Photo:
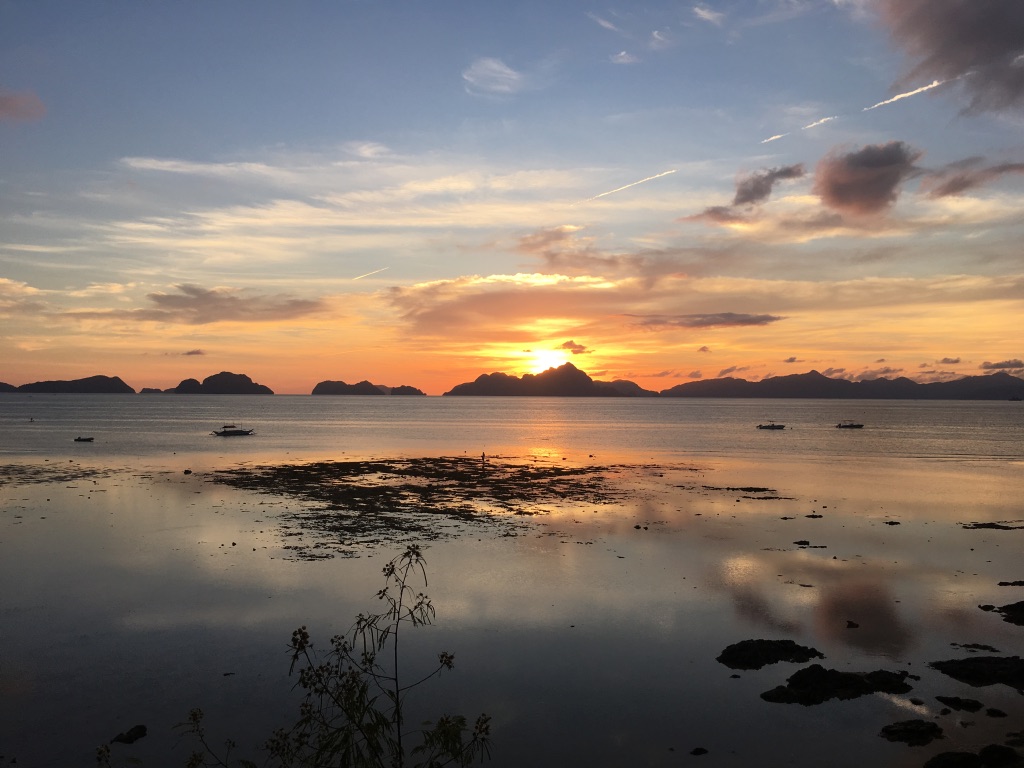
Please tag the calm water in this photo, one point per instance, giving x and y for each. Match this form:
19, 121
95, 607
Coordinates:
150, 426
590, 638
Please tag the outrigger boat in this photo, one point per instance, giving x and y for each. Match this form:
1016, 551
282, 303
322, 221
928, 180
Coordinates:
849, 425
230, 430
84, 439
771, 425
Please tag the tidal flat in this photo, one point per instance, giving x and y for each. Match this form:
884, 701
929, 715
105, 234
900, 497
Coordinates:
587, 601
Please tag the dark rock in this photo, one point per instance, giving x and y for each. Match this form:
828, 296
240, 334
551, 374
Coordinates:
698, 751
1011, 583
997, 755
993, 712
960, 705
130, 736
915, 733
754, 654
980, 671
852, 625
815, 684
1000, 526
1012, 613
954, 760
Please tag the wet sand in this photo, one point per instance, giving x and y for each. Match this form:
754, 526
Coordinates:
587, 601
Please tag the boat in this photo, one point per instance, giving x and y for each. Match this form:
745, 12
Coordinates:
849, 425
84, 439
230, 430
771, 425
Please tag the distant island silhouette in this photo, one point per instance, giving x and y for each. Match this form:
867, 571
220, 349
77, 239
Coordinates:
362, 388
569, 381
93, 385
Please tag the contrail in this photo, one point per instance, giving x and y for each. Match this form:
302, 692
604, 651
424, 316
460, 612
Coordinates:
370, 273
613, 191
822, 121
922, 89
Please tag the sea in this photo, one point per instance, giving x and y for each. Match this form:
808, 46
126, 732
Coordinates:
135, 589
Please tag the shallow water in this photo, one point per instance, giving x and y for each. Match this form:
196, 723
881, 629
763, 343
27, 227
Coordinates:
134, 596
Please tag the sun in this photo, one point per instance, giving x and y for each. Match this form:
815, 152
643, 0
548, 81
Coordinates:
539, 360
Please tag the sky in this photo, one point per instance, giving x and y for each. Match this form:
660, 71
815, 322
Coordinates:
417, 193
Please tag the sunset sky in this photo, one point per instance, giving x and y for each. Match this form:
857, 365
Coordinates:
420, 192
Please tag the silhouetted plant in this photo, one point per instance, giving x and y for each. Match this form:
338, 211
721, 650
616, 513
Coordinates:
353, 712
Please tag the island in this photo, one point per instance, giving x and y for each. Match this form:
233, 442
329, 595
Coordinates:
362, 388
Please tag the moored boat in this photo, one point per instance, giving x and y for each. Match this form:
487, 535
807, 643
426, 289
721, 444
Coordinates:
84, 439
771, 425
230, 430
848, 424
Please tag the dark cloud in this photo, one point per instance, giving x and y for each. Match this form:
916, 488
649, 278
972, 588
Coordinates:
1004, 365
949, 361
20, 105
792, 360
978, 41
717, 214
706, 320
576, 349
695, 375
705, 349
731, 370
961, 176
758, 186
193, 352
877, 373
194, 305
835, 373
867, 180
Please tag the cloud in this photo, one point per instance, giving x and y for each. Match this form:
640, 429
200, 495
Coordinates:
576, 349
20, 106
978, 41
492, 76
193, 353
876, 373
757, 187
602, 22
731, 370
865, 181
19, 299
193, 305
695, 375
623, 57
1005, 365
949, 361
706, 320
961, 176
704, 13
792, 360
705, 349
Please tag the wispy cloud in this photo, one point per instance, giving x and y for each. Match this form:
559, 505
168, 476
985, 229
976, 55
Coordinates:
704, 13
623, 57
602, 22
195, 305
627, 186
706, 320
492, 76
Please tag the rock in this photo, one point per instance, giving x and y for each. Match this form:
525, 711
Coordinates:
960, 705
954, 760
698, 751
997, 755
754, 654
815, 685
1012, 613
980, 671
130, 736
915, 733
